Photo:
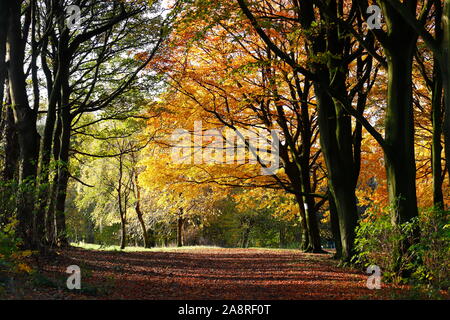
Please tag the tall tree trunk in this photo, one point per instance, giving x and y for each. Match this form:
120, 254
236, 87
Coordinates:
3, 36
11, 143
304, 169
148, 243
298, 170
50, 220
122, 206
312, 227
399, 47
180, 221
399, 153
283, 239
56, 77
334, 221
139, 214
246, 233
311, 214
63, 168
445, 66
145, 235
90, 232
436, 151
339, 160
306, 239
123, 233
25, 119
334, 123
47, 142
10, 172
62, 184
151, 238
246, 238
39, 215
399, 120
298, 174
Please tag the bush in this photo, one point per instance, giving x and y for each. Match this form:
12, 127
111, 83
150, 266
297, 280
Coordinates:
380, 242
434, 249
12, 259
8, 201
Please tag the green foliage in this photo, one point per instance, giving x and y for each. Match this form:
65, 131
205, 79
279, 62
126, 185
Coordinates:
8, 200
8, 243
12, 259
39, 280
108, 235
427, 260
265, 230
434, 248
419, 292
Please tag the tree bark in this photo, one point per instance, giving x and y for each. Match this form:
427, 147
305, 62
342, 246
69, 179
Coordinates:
11, 143
123, 233
48, 138
148, 242
445, 66
25, 121
246, 236
122, 206
313, 225
306, 239
180, 221
62, 184
436, 151
399, 121
50, 219
335, 125
339, 160
3, 36
335, 230
305, 180
10, 172
63, 163
143, 228
283, 240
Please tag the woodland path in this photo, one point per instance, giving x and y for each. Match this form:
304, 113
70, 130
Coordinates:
203, 273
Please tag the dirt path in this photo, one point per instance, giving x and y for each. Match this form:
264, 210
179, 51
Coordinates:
200, 274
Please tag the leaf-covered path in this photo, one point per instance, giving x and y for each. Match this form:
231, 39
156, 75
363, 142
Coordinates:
203, 273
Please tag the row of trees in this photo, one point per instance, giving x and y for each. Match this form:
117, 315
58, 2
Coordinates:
241, 218
334, 30
55, 70
346, 97
319, 74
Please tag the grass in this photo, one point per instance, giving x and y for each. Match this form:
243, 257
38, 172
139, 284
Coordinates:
98, 247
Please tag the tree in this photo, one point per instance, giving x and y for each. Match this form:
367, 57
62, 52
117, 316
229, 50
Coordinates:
328, 54
279, 99
25, 124
84, 70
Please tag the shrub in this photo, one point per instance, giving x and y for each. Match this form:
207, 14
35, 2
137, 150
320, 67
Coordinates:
380, 242
12, 259
434, 248
8, 201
